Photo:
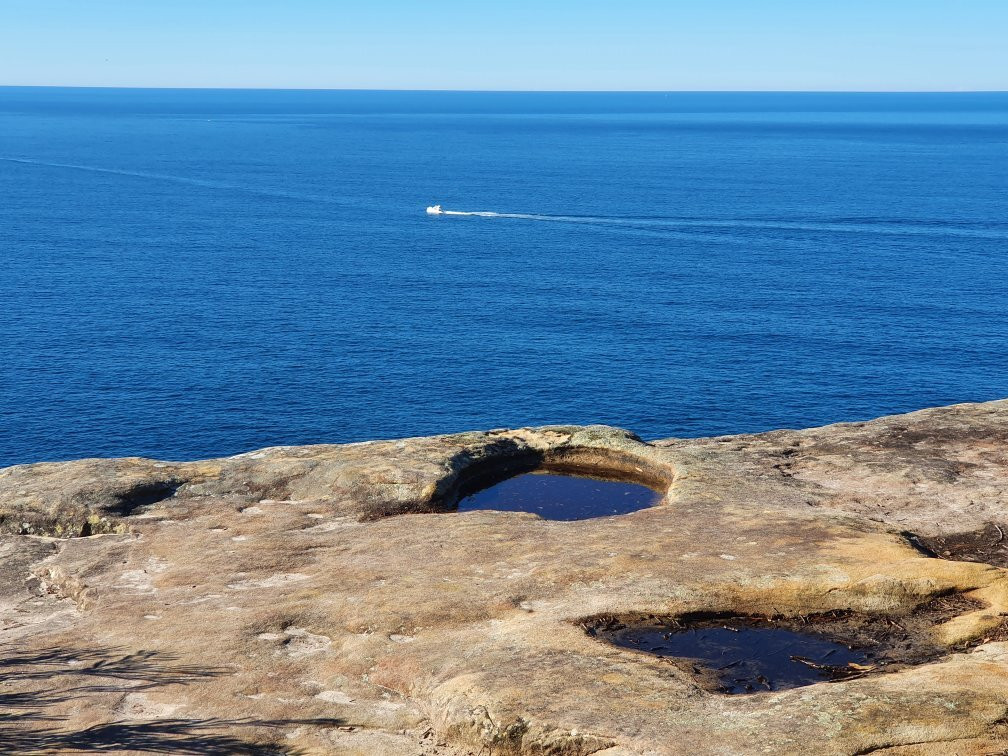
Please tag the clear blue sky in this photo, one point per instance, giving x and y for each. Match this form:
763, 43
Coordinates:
559, 44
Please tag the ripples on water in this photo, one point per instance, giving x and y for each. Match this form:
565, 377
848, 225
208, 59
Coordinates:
201, 273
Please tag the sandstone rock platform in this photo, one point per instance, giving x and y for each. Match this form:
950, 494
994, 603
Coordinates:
326, 599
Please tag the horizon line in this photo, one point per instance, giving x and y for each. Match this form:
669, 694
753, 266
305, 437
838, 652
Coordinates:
506, 91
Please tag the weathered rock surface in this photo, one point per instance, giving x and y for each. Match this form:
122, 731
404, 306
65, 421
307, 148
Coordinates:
325, 599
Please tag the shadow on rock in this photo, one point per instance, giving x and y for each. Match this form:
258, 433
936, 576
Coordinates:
177, 736
33, 683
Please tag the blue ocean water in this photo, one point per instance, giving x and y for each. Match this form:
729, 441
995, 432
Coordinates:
196, 273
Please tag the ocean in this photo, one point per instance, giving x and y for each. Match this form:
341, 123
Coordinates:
194, 273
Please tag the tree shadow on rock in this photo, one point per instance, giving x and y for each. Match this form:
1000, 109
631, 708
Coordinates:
176, 736
29, 724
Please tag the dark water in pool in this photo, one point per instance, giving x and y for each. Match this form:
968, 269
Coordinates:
562, 497
749, 659
196, 273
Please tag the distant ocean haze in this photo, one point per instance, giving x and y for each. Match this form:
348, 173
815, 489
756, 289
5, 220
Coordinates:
192, 273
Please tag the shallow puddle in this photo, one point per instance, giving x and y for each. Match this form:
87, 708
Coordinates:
989, 545
747, 654
749, 659
562, 497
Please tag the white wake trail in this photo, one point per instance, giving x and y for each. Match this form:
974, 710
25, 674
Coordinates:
695, 226
436, 210
208, 184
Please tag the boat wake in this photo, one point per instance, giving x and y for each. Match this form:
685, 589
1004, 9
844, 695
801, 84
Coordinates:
697, 225
205, 183
437, 210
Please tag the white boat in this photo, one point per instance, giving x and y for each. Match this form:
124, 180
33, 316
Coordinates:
435, 210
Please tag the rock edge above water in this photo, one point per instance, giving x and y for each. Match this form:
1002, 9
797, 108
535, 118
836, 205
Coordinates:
325, 599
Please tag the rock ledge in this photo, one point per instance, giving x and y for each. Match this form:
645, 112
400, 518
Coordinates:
326, 599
